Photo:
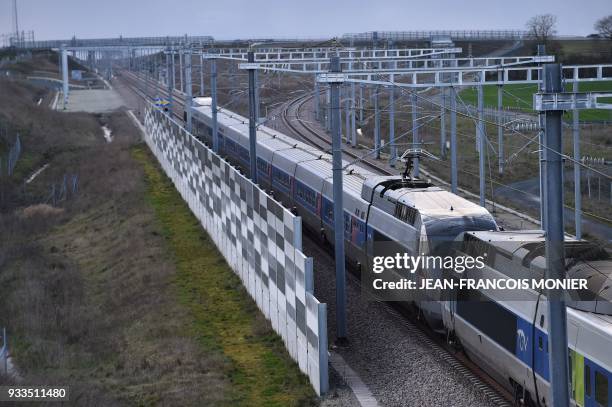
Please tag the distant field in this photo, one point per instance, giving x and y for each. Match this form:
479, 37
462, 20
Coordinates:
577, 49
520, 96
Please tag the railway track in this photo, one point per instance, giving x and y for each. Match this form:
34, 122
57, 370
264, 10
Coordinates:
136, 84
293, 108
456, 359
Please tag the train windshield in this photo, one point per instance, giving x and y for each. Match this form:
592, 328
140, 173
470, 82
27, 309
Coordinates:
441, 233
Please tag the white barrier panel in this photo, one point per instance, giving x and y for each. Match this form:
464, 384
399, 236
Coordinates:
259, 239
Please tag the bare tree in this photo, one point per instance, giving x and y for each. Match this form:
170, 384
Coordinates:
604, 27
542, 27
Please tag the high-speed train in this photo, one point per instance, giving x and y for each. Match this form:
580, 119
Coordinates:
400, 214
506, 332
403, 214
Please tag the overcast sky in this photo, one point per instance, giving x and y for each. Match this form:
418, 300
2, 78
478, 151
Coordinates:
224, 19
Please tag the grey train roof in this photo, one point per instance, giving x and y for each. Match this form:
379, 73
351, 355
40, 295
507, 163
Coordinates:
583, 260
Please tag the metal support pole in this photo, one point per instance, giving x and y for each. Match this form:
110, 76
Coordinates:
188, 88
577, 183
376, 124
328, 109
65, 86
338, 206
146, 64
213, 104
482, 146
173, 71
542, 158
252, 120
257, 104
169, 71
361, 86
443, 122
415, 130
392, 147
353, 124
500, 127
157, 76
317, 99
201, 93
453, 138
555, 257
347, 121
181, 53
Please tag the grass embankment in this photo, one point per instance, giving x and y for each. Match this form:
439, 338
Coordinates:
116, 291
520, 97
225, 318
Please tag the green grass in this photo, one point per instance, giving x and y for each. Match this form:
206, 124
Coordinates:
520, 96
224, 317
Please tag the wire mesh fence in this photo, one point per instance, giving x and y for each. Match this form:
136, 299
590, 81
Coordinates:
63, 190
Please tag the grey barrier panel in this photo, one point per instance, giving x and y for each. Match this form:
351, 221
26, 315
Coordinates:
256, 236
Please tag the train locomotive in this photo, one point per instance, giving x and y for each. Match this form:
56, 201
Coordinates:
506, 333
407, 214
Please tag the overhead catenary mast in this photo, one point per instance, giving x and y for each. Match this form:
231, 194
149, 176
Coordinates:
15, 20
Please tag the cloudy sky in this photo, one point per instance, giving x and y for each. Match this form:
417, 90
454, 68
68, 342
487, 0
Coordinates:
225, 19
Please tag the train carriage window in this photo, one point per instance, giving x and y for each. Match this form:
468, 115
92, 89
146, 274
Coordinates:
306, 194
489, 317
262, 165
587, 380
330, 213
282, 177
601, 389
